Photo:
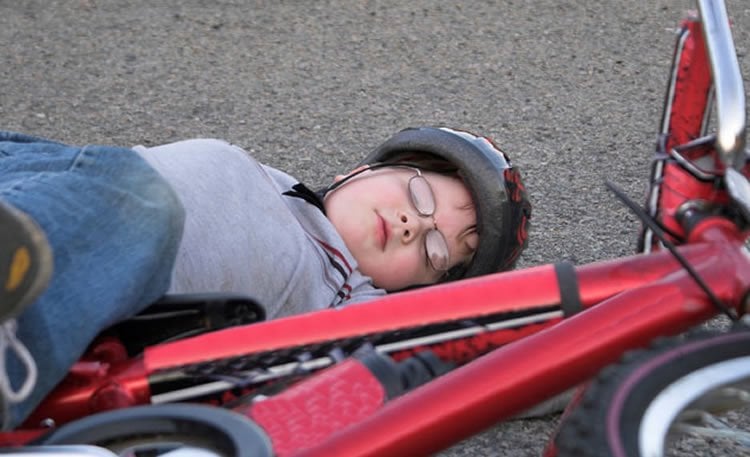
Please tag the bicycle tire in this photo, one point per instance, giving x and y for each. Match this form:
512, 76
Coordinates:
214, 431
628, 409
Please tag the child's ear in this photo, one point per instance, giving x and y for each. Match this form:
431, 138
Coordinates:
356, 170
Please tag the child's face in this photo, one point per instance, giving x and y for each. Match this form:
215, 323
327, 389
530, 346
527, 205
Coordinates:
374, 214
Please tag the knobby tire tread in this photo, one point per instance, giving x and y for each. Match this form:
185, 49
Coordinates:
583, 432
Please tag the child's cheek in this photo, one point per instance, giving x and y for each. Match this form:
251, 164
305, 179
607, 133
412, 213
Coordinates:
411, 270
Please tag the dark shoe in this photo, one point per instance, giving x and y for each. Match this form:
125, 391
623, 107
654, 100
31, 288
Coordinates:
25, 270
25, 261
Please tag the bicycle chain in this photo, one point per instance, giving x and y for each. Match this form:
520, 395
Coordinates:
249, 369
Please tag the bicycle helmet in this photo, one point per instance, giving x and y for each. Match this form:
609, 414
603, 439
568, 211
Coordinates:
502, 207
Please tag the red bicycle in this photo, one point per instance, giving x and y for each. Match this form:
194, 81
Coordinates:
418, 371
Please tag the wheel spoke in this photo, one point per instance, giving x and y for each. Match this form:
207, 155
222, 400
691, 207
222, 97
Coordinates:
725, 432
720, 401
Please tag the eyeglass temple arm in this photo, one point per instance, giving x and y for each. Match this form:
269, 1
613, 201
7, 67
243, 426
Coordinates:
729, 88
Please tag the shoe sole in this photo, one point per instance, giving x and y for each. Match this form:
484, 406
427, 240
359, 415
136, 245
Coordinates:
26, 261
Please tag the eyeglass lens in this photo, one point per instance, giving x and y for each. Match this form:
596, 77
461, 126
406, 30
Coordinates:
424, 202
421, 195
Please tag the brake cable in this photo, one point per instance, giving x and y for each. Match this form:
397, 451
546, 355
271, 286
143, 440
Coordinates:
659, 233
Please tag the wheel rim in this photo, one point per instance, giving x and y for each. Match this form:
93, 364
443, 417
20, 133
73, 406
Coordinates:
694, 389
168, 431
163, 446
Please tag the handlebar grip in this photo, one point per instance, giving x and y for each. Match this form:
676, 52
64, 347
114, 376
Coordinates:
314, 409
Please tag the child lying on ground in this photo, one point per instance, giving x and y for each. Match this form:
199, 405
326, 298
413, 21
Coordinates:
113, 229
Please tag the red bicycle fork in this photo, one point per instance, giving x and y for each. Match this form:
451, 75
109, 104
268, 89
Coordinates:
524, 373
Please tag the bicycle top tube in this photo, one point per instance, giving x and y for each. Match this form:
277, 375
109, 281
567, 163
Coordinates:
730, 92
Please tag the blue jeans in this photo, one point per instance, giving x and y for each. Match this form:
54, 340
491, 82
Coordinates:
114, 226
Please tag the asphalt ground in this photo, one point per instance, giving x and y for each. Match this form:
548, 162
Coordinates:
572, 90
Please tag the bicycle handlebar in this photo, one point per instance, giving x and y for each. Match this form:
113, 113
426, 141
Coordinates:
729, 88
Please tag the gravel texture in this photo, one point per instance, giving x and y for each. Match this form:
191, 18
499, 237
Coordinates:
571, 89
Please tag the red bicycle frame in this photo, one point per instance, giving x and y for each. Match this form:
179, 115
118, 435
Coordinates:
520, 337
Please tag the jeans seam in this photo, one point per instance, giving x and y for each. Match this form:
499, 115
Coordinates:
77, 161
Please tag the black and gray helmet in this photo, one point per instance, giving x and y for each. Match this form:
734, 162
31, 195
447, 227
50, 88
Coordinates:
502, 207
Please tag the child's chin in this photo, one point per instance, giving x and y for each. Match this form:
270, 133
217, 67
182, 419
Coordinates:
389, 286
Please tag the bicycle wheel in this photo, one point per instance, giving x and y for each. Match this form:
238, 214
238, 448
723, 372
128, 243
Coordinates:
662, 400
174, 429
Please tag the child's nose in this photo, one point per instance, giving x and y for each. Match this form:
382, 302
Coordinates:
412, 225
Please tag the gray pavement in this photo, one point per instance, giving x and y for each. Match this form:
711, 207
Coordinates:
572, 90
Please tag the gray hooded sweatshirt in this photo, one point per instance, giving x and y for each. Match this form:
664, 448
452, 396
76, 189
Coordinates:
253, 230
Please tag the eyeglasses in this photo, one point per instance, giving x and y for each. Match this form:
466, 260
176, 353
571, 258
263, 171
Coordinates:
423, 200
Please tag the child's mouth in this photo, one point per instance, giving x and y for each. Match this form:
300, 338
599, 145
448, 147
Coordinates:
382, 231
